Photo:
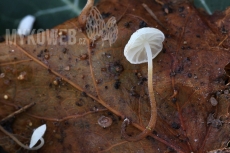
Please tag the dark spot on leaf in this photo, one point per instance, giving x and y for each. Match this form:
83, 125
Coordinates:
127, 24
40, 54
105, 15
58, 97
64, 38
181, 9
172, 74
66, 123
154, 132
49, 70
2, 150
170, 150
228, 144
142, 24
79, 102
150, 139
83, 94
119, 118
117, 84
175, 125
174, 99
179, 69
56, 124
92, 45
189, 75
43, 121
115, 68
223, 30
113, 117
198, 36
106, 87
8, 125
202, 83
188, 59
143, 79
64, 50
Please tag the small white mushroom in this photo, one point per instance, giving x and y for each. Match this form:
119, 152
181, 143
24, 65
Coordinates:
26, 25
144, 45
37, 135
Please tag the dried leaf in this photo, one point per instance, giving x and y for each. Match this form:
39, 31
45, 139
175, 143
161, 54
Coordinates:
188, 71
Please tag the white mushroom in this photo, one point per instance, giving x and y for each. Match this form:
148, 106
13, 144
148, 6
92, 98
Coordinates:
144, 45
37, 135
26, 25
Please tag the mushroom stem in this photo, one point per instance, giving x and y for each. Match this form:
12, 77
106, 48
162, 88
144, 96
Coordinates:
85, 11
153, 117
21, 144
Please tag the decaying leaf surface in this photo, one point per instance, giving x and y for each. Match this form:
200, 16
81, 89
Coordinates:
74, 85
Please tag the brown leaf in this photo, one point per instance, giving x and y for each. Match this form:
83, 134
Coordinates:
74, 85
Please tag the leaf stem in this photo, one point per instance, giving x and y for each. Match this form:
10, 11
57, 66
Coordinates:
85, 11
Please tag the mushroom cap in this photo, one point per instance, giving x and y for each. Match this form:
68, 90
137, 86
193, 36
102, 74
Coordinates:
37, 134
135, 48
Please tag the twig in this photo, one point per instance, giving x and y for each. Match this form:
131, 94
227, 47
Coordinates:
153, 15
10, 104
159, 2
68, 117
15, 62
85, 11
16, 112
12, 136
223, 40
